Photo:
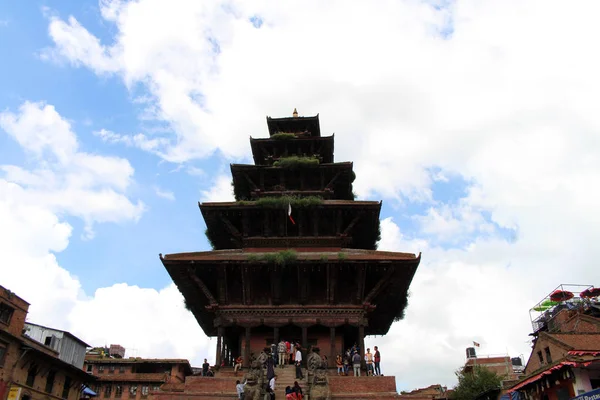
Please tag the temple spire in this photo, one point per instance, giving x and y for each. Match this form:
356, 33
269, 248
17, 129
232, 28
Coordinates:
295, 113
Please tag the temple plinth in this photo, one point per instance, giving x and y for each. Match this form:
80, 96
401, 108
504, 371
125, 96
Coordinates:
294, 256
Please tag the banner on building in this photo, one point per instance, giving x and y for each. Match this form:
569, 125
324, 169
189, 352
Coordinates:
14, 393
591, 395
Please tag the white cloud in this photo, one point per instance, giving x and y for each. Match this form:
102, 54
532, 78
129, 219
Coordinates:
139, 140
221, 190
506, 107
165, 194
65, 179
34, 204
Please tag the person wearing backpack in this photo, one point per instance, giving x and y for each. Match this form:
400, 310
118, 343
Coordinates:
356, 358
281, 349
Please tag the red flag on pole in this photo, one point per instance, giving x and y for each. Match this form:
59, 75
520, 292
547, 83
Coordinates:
290, 213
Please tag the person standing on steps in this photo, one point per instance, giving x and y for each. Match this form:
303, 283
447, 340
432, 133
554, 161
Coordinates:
274, 352
205, 368
377, 361
270, 364
270, 389
298, 359
239, 387
281, 349
356, 363
369, 361
339, 364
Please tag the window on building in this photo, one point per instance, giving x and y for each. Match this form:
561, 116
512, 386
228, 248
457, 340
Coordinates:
6, 313
548, 355
155, 388
118, 391
89, 368
144, 390
48, 340
107, 390
66, 388
50, 381
111, 369
31, 373
121, 369
540, 357
2, 353
101, 368
132, 390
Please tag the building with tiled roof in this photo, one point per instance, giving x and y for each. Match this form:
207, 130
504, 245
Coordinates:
134, 377
565, 359
32, 369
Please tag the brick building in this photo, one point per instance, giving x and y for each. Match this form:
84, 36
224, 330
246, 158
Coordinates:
501, 365
565, 358
432, 392
29, 369
132, 378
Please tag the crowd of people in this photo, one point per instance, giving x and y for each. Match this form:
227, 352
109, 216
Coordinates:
352, 357
290, 353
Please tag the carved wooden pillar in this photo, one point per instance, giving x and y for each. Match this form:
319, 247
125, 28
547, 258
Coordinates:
332, 341
315, 220
224, 350
247, 347
276, 335
302, 179
338, 223
361, 344
219, 345
305, 339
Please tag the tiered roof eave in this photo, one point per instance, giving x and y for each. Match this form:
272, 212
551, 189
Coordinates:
308, 255
324, 145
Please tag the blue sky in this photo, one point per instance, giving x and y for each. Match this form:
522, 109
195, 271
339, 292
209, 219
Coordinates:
128, 251
116, 118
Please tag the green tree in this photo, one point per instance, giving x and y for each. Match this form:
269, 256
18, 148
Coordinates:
474, 382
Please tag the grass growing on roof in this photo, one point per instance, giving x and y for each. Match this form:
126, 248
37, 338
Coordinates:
283, 201
280, 258
211, 239
342, 256
296, 162
283, 136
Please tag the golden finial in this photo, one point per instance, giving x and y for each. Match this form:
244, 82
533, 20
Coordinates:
295, 114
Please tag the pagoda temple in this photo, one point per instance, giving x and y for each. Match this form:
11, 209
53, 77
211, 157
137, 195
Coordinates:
294, 256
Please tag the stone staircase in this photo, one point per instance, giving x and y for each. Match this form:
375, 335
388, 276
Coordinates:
286, 377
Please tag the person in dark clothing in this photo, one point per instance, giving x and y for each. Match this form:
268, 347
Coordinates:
270, 364
298, 390
205, 368
298, 360
377, 361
